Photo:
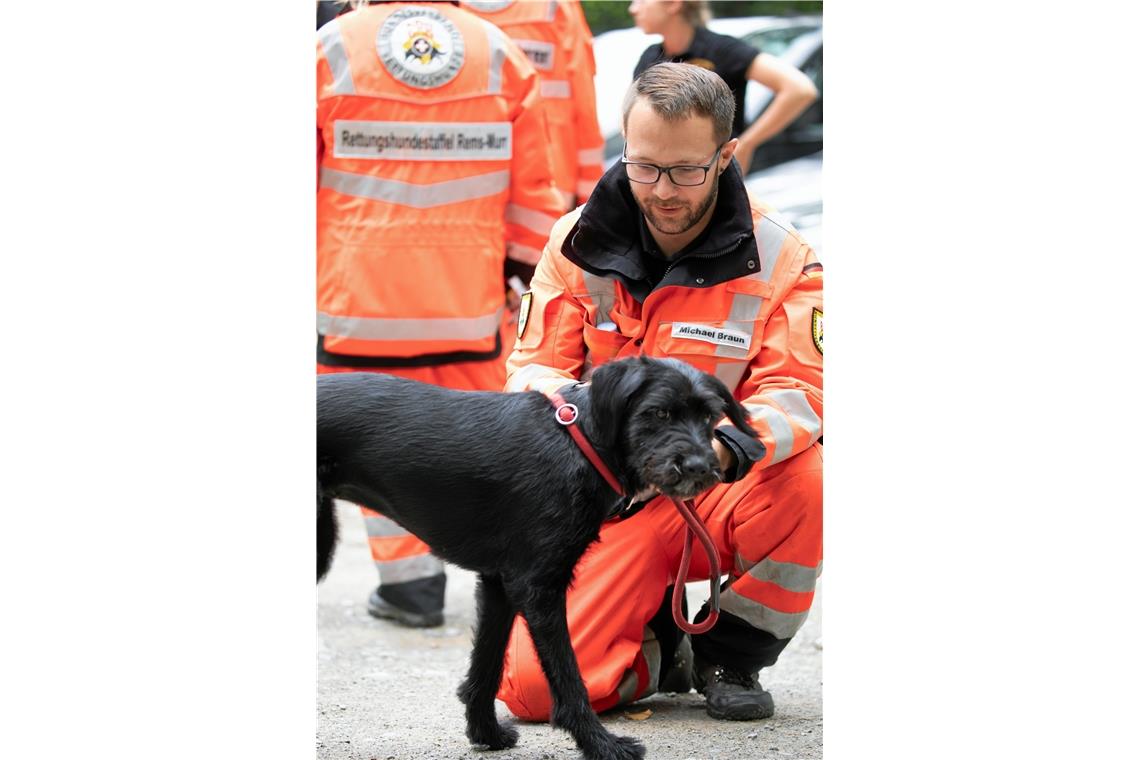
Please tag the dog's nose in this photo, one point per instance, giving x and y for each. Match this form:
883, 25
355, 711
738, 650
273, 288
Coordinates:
695, 466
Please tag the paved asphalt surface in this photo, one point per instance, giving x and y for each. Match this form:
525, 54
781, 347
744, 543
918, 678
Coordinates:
385, 692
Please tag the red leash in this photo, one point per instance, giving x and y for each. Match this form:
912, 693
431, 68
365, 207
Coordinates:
567, 414
689, 511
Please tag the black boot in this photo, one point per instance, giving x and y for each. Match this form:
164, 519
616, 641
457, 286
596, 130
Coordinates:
727, 660
732, 694
416, 604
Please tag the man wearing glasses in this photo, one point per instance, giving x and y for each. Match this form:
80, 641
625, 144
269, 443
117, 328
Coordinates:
671, 257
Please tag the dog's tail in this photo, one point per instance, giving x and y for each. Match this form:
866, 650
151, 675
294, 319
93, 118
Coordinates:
326, 532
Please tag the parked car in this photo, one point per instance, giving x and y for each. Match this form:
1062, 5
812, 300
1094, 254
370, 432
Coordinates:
795, 189
798, 40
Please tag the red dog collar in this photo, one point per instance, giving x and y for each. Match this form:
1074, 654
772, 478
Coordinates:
567, 414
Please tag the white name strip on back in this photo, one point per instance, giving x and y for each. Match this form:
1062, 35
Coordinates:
422, 141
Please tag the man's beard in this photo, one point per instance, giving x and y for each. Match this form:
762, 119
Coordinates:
675, 225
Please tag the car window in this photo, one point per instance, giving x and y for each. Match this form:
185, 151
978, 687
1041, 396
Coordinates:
813, 67
776, 41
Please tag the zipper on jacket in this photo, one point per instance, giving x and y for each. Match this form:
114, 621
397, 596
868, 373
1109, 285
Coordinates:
711, 255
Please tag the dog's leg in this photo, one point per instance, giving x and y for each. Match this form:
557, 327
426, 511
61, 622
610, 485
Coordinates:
326, 533
545, 613
477, 692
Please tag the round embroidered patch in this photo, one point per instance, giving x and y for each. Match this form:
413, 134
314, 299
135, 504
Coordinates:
420, 47
488, 6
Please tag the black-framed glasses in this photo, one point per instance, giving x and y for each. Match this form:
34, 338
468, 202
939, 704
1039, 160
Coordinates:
681, 175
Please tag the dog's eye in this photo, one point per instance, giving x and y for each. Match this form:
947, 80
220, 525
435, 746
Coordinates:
708, 419
662, 414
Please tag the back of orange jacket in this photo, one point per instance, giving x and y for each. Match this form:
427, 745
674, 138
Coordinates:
556, 39
434, 168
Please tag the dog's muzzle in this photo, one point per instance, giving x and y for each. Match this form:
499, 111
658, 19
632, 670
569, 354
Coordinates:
687, 477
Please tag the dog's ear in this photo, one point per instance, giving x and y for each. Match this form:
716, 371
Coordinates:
612, 386
733, 409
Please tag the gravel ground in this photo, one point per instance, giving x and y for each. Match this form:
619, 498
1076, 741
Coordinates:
385, 692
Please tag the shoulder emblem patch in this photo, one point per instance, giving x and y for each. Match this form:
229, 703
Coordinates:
420, 47
817, 329
524, 312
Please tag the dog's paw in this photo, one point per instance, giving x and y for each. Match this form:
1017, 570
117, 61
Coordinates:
622, 748
495, 736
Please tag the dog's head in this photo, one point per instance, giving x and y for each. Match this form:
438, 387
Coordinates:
657, 417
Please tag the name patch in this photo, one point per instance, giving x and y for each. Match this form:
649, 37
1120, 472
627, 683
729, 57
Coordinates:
423, 141
716, 335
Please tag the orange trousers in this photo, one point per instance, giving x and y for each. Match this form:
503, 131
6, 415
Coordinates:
768, 530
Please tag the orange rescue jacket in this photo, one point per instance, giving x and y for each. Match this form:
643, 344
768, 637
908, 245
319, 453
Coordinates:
556, 39
434, 166
743, 302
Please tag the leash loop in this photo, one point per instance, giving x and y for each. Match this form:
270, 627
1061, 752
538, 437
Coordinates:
688, 511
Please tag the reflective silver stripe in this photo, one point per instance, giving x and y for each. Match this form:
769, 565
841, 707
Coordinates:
744, 308
497, 41
742, 319
410, 569
591, 156
651, 651
769, 239
535, 221
377, 328
780, 427
416, 196
523, 253
795, 405
627, 687
551, 9
602, 291
521, 380
526, 378
782, 625
554, 88
333, 45
786, 575
382, 527
730, 373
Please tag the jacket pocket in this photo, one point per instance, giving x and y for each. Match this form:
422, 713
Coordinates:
603, 345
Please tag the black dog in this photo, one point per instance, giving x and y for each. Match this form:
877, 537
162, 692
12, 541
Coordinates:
493, 483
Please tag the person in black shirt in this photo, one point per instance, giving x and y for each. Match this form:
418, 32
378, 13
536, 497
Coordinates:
681, 23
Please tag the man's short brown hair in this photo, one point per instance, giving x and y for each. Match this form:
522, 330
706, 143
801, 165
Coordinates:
677, 91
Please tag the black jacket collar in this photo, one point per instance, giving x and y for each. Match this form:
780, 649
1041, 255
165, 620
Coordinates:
610, 238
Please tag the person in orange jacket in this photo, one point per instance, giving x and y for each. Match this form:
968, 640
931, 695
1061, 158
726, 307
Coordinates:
671, 257
435, 187
556, 39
